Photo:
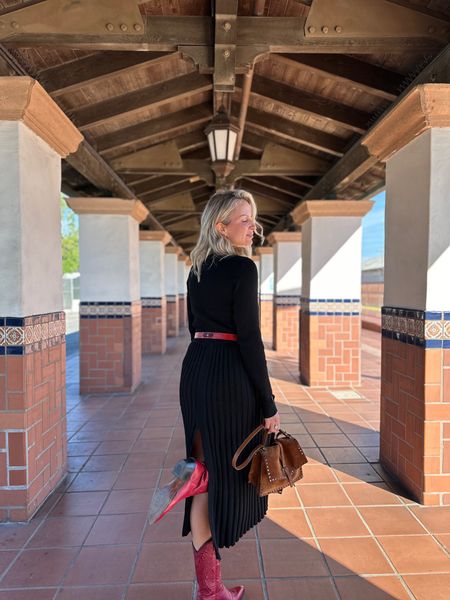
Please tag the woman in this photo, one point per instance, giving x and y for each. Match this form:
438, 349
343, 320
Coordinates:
225, 390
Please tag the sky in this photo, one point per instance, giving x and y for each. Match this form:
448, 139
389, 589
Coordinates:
372, 228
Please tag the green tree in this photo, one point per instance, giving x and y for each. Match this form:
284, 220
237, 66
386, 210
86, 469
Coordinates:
69, 231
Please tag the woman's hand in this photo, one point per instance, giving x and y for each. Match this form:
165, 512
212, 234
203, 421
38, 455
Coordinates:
272, 424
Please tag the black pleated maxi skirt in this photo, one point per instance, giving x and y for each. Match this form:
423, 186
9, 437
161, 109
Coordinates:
218, 398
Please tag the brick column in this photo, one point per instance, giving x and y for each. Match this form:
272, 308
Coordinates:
34, 135
330, 317
266, 293
153, 297
287, 253
182, 305
171, 285
110, 304
414, 141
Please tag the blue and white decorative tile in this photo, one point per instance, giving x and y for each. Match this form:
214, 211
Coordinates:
151, 302
29, 334
331, 306
287, 300
266, 297
430, 329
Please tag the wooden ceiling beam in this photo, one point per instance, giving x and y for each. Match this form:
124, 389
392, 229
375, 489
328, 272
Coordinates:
185, 236
296, 180
155, 184
178, 188
167, 222
278, 161
191, 141
374, 80
38, 24
201, 196
267, 221
357, 161
261, 190
311, 104
76, 74
174, 213
154, 96
225, 35
278, 184
253, 141
154, 130
283, 131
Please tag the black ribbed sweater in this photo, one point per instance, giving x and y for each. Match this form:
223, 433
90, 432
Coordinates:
226, 300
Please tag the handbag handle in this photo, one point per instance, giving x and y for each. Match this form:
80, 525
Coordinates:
255, 450
244, 443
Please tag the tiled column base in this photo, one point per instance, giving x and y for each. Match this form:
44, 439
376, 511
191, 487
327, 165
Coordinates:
330, 342
372, 300
33, 441
154, 325
110, 346
266, 312
415, 401
286, 311
173, 316
182, 312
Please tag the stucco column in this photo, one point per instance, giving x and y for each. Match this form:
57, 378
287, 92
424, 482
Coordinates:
182, 305
414, 141
287, 258
110, 295
34, 135
265, 254
330, 317
171, 286
153, 295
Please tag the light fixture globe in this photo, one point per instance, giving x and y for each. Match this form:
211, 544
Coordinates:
222, 137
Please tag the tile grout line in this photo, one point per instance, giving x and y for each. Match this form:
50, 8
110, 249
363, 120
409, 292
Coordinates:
261, 565
316, 540
75, 558
352, 505
380, 547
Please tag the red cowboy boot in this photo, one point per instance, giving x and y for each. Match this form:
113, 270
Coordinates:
191, 478
209, 577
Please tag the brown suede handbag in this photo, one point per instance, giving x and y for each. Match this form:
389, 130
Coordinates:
275, 465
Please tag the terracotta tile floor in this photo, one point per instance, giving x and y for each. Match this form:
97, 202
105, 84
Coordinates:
346, 531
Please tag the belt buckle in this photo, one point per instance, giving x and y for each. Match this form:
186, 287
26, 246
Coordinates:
208, 334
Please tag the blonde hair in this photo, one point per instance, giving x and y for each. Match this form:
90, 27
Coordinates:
218, 210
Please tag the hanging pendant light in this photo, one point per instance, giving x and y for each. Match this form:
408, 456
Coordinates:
222, 136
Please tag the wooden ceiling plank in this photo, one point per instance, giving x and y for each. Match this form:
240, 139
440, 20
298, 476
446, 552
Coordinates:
282, 130
146, 131
262, 190
156, 95
177, 188
348, 70
156, 183
76, 74
253, 141
191, 141
296, 181
281, 185
312, 104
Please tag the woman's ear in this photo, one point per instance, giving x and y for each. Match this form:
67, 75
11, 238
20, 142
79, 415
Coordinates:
220, 228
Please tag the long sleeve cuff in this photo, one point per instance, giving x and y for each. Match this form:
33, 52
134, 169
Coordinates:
269, 407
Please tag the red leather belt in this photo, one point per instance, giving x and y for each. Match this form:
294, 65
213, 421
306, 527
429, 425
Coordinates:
216, 335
